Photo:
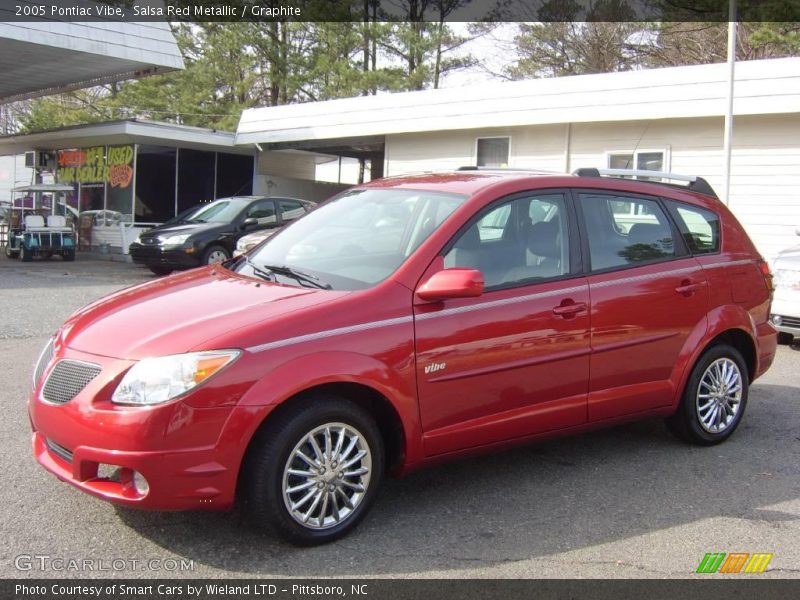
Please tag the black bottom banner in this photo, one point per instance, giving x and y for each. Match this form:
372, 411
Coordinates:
396, 589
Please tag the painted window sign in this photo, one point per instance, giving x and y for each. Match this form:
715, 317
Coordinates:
96, 165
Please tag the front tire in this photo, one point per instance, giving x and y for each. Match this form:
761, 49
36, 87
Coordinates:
160, 270
313, 473
25, 255
714, 398
68, 255
215, 255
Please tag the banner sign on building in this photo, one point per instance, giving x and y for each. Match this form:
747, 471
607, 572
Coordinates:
96, 165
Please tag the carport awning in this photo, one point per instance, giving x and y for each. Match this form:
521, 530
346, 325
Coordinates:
365, 147
45, 57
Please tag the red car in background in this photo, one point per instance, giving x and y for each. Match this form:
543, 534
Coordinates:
408, 321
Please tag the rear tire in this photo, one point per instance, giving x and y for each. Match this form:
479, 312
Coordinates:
304, 503
160, 270
785, 338
11, 253
714, 399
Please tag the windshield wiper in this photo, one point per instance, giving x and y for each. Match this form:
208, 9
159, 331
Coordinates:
263, 273
268, 272
299, 276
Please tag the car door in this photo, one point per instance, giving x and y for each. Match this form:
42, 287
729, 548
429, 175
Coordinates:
515, 360
648, 294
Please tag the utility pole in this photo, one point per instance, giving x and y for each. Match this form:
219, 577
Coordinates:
728, 135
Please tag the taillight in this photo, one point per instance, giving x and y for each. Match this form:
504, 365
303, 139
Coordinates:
764, 268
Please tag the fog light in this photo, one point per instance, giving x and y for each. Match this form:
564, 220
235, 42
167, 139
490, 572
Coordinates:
110, 472
777, 319
140, 483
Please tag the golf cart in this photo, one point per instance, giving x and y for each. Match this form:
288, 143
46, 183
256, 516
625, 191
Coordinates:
38, 224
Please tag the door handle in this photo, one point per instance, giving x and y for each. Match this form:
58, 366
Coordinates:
569, 309
687, 287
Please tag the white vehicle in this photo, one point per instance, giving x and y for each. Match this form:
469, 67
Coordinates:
786, 300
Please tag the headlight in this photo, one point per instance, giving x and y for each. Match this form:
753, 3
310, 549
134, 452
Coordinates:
156, 380
785, 278
175, 240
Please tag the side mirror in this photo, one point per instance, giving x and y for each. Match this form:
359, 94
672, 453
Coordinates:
452, 283
249, 223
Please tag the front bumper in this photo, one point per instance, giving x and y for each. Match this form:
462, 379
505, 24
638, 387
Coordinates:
184, 453
785, 313
160, 256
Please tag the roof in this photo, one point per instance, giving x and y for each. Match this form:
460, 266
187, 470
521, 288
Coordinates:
123, 132
762, 87
45, 56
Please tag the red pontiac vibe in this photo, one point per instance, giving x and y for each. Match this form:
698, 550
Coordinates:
407, 321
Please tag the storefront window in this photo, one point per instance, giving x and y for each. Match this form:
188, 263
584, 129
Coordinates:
195, 177
234, 175
119, 194
155, 184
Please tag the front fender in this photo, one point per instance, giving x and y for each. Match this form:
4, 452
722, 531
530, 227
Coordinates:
398, 386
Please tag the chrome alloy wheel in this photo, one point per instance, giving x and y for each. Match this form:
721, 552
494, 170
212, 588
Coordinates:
719, 395
216, 257
327, 475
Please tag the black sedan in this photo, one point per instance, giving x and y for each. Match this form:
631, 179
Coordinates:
208, 234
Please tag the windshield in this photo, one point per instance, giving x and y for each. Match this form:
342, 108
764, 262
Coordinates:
220, 211
357, 239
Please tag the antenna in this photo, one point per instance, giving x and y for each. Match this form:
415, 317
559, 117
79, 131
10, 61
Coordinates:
636, 147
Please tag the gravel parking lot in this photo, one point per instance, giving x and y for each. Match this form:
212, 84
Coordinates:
626, 502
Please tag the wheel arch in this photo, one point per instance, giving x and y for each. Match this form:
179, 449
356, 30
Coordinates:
726, 324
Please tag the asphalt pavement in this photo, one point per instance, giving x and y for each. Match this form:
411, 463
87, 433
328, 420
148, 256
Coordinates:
629, 502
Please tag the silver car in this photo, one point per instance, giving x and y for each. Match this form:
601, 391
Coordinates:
786, 299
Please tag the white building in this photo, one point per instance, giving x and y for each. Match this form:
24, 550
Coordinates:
666, 119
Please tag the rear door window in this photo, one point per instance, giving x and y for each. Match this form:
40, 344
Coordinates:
625, 231
291, 210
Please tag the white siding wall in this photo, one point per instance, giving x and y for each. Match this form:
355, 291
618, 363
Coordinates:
765, 181
305, 189
287, 164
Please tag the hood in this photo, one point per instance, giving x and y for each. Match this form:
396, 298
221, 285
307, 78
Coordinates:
181, 228
177, 314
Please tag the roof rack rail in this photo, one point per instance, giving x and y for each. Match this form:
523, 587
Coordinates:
696, 184
506, 169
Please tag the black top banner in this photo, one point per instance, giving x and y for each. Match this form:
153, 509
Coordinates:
400, 10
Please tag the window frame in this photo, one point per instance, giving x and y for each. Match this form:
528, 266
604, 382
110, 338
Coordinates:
573, 231
493, 137
681, 250
635, 152
672, 205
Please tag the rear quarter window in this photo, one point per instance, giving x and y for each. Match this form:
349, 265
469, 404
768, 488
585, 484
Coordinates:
700, 227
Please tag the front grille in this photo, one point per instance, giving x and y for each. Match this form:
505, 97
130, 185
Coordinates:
790, 321
67, 379
58, 450
44, 359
